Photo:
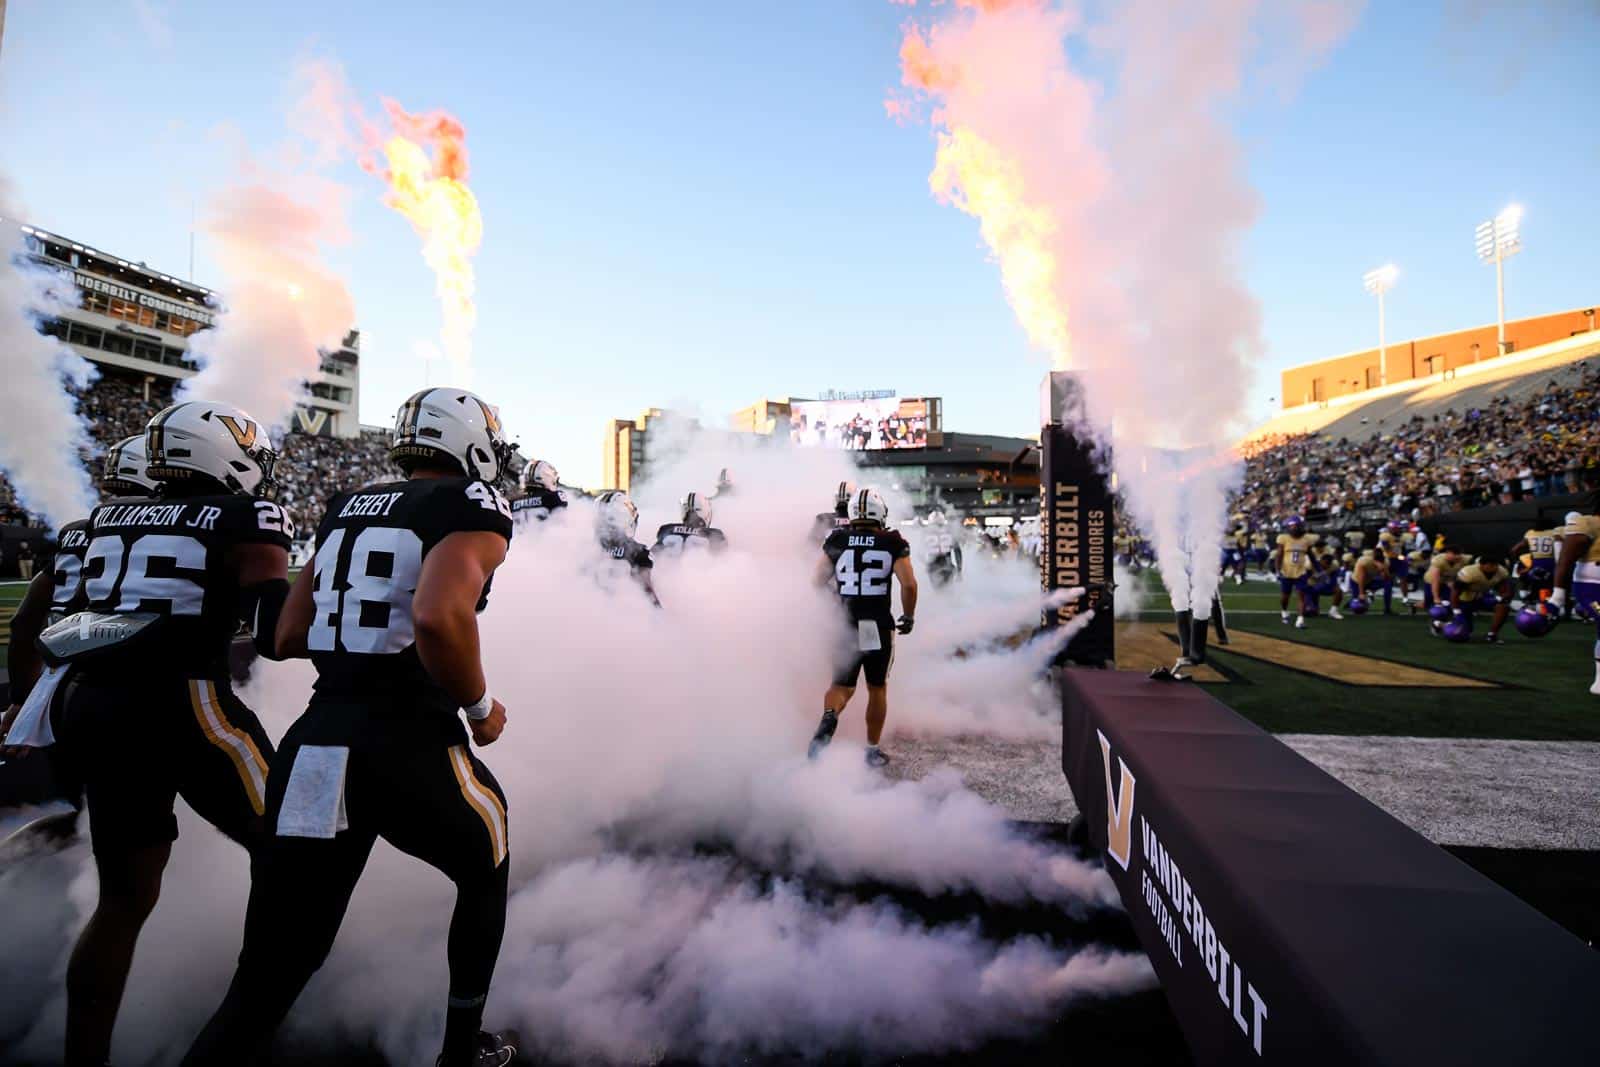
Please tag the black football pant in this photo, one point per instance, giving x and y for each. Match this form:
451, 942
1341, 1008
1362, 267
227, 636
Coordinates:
427, 798
136, 742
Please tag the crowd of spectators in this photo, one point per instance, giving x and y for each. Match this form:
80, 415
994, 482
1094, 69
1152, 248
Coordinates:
1536, 445
309, 470
1504, 451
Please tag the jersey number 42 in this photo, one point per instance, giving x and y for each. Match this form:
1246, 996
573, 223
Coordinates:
868, 578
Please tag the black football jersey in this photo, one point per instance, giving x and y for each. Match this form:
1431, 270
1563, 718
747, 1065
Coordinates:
675, 537
170, 557
863, 558
72, 540
630, 552
538, 505
370, 548
827, 522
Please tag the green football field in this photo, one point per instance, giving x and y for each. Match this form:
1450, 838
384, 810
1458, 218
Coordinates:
1290, 683
1537, 689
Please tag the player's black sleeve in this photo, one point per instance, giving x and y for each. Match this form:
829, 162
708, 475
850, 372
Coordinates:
899, 547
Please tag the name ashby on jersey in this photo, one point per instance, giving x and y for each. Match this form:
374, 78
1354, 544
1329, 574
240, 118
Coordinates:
1173, 904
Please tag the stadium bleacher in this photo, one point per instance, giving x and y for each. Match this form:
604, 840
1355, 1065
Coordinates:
310, 469
1521, 427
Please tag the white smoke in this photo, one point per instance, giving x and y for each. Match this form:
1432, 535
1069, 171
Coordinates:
282, 304
680, 871
42, 435
1116, 204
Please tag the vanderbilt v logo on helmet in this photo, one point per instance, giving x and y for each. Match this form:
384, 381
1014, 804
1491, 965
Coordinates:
202, 439
244, 433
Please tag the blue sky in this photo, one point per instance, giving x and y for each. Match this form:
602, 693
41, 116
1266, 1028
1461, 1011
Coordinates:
697, 205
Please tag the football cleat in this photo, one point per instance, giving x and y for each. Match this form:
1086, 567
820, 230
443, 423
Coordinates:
1333, 612
824, 734
876, 757
1285, 616
494, 1050
1300, 622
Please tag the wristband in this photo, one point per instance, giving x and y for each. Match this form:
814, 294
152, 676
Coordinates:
480, 710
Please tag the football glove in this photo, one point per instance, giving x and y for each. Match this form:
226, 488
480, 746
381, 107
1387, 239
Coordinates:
905, 624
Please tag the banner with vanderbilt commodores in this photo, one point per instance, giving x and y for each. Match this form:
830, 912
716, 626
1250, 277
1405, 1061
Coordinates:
1076, 525
1291, 921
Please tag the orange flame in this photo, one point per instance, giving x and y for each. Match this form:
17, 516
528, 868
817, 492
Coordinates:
973, 175
431, 191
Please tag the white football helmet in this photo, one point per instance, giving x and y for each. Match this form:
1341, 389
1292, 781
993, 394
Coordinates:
124, 471
616, 517
936, 518
540, 474
454, 426
841, 497
199, 439
697, 509
868, 506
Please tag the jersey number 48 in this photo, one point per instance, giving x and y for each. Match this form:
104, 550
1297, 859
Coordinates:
364, 604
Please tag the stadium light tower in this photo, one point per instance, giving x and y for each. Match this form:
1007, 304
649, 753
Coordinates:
1499, 239
1378, 282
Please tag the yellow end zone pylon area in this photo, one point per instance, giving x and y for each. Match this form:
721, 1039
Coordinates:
1143, 646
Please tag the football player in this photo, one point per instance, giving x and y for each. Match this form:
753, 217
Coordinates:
616, 521
51, 592
724, 483
1539, 571
1442, 570
148, 713
1241, 544
1481, 585
861, 562
387, 613
1324, 580
1578, 576
943, 550
542, 495
1370, 572
1392, 540
1259, 551
692, 531
829, 521
1294, 562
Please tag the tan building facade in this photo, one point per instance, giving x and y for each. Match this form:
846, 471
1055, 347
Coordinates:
1423, 357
